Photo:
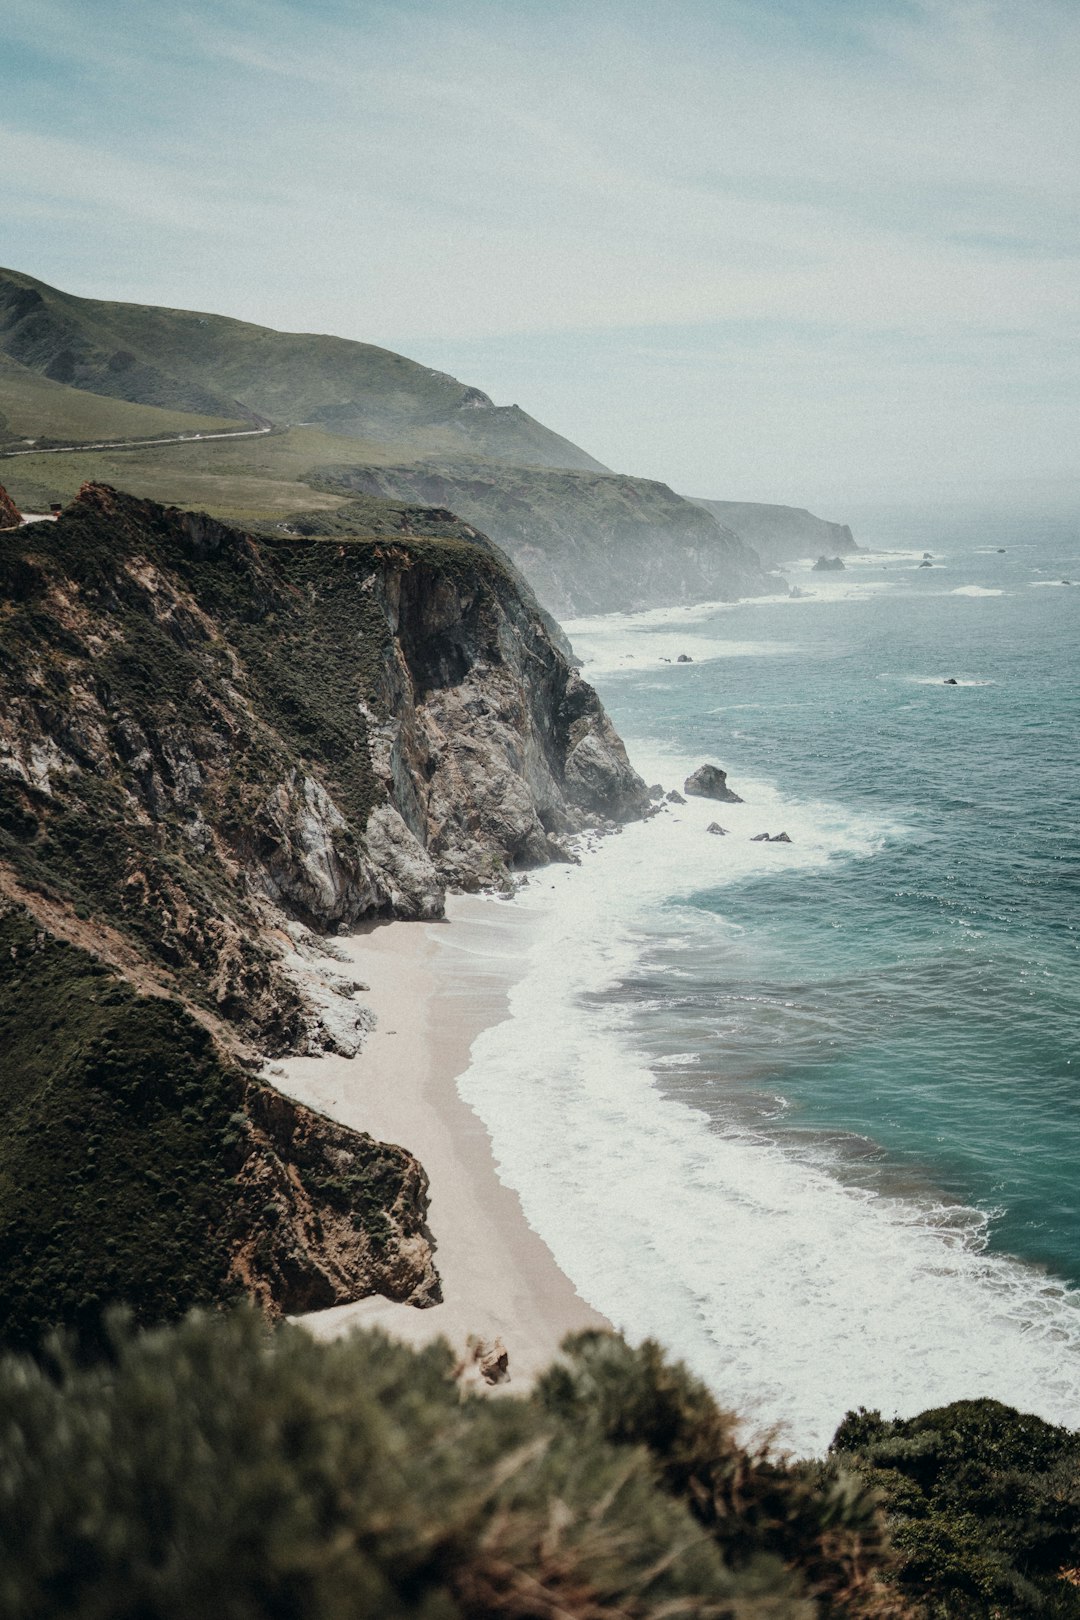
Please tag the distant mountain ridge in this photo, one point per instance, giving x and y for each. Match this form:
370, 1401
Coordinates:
586, 542
780, 534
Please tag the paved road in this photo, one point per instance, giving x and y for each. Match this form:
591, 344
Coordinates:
135, 444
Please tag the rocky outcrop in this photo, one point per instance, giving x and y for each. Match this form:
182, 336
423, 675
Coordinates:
10, 516
710, 782
326, 1215
834, 565
782, 534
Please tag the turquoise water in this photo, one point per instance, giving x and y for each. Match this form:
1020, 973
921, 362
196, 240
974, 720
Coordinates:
808, 1112
909, 1016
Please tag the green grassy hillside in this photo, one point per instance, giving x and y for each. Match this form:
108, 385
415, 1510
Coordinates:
182, 360
33, 408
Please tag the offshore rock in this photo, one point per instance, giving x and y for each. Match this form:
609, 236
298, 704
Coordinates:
710, 782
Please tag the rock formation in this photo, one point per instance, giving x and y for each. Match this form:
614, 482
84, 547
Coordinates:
829, 565
10, 516
710, 782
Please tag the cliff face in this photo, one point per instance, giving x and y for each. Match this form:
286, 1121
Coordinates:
780, 534
206, 740
586, 542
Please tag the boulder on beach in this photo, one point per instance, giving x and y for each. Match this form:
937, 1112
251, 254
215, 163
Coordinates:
715, 827
674, 798
710, 782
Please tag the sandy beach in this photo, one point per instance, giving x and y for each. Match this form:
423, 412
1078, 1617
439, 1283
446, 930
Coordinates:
433, 988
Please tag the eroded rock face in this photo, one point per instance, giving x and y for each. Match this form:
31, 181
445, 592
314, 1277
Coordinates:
710, 782
327, 1214
488, 743
10, 516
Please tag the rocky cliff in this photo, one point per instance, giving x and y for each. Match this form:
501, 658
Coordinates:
780, 534
10, 516
586, 542
212, 746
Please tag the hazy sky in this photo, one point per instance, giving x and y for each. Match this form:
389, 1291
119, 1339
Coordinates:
803, 250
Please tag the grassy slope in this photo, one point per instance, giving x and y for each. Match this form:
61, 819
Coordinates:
242, 480
34, 408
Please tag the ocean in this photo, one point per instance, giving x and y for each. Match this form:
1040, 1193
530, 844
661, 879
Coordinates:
809, 1112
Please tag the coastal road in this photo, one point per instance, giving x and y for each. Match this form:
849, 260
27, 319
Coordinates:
136, 444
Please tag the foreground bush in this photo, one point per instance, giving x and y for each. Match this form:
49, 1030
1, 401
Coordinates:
221, 1471
984, 1505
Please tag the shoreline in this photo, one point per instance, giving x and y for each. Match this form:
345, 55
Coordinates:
434, 987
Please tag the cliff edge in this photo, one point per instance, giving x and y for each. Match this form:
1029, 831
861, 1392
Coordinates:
213, 747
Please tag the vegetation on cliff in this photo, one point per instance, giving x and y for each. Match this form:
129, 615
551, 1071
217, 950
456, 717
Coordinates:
235, 712
220, 1468
210, 745
138, 1165
984, 1504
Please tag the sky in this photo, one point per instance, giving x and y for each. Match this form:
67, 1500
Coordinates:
815, 251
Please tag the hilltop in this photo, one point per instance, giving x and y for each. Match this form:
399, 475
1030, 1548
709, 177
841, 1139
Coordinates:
215, 367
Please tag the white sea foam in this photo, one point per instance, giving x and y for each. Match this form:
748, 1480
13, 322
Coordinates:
976, 590
795, 1296
1050, 583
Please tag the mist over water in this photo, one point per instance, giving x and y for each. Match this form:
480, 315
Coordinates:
809, 1112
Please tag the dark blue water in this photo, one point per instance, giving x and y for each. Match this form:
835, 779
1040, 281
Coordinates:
917, 1008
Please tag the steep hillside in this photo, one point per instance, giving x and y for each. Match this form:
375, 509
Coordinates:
210, 365
780, 534
586, 542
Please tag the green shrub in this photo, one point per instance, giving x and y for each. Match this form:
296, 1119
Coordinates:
818, 1518
218, 1469
984, 1504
